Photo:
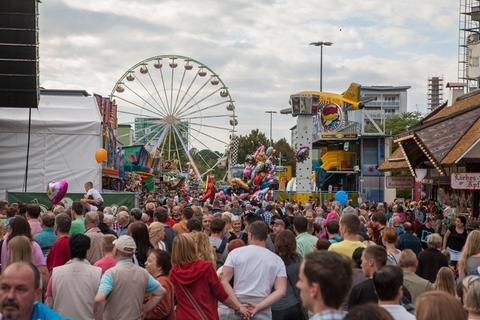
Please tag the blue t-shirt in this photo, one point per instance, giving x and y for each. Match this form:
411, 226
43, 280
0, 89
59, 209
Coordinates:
42, 312
45, 239
336, 238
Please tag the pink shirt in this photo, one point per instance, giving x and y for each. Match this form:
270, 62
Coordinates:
106, 263
35, 226
37, 254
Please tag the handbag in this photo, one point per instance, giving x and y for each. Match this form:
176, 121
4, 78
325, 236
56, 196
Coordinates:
304, 311
194, 303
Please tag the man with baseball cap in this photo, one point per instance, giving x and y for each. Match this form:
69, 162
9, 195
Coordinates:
127, 282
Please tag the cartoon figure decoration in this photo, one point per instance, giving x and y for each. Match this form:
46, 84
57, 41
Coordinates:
331, 117
209, 193
302, 154
258, 175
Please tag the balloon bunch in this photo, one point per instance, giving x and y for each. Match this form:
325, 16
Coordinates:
302, 154
258, 175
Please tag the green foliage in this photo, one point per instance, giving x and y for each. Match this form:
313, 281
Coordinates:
404, 193
397, 124
249, 143
286, 152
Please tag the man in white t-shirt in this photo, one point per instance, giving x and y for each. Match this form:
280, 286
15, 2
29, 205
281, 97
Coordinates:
255, 271
92, 196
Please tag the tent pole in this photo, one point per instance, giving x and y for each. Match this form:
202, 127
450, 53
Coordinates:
28, 148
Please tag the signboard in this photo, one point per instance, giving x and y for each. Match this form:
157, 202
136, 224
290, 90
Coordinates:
339, 136
473, 68
466, 181
398, 182
283, 174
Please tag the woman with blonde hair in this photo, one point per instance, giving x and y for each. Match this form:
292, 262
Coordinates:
469, 262
436, 305
19, 249
471, 296
156, 234
227, 217
197, 212
334, 214
445, 281
197, 287
203, 248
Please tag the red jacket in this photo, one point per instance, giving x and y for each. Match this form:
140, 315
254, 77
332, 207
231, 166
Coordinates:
198, 278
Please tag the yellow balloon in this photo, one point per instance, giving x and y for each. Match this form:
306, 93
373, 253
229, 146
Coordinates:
101, 155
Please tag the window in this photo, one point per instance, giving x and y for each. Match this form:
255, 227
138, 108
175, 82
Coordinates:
390, 98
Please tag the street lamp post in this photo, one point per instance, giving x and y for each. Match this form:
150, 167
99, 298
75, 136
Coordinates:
271, 116
321, 44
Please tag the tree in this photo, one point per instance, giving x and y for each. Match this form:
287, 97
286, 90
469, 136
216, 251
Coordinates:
285, 151
249, 143
397, 124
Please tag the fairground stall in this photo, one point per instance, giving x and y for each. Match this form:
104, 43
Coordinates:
442, 152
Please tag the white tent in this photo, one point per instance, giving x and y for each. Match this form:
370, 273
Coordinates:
65, 133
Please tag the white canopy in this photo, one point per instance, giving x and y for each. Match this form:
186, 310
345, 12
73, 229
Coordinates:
65, 133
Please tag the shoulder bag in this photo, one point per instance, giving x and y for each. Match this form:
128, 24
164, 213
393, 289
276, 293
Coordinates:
194, 303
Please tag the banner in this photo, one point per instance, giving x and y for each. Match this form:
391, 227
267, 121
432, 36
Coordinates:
398, 182
465, 181
109, 198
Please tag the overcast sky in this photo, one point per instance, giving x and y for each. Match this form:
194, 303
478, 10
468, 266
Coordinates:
258, 48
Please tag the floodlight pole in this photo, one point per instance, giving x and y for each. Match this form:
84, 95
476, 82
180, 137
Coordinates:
321, 44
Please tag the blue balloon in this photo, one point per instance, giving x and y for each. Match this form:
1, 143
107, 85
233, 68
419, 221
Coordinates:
342, 197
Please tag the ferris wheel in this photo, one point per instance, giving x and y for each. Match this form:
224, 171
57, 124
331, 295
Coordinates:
180, 110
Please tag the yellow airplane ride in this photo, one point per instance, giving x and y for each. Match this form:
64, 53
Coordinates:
349, 98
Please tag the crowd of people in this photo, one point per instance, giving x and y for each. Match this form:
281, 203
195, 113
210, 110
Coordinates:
179, 258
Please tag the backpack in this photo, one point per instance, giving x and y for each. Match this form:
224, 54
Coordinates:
219, 251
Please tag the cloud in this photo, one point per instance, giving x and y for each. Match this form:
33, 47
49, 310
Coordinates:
259, 48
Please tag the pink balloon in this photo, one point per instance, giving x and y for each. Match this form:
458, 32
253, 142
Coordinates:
259, 150
247, 172
57, 190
